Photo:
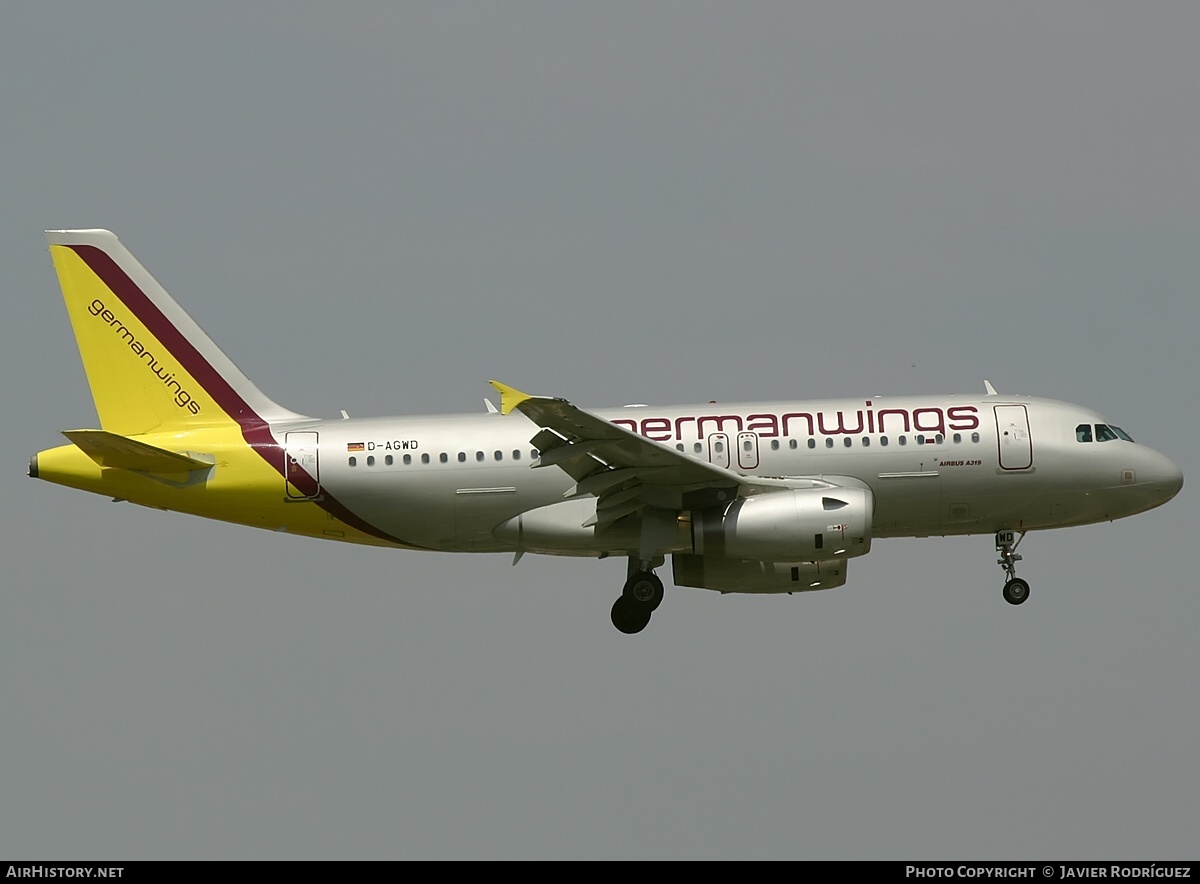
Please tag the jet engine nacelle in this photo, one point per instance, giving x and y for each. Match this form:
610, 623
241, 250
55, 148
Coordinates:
744, 575
811, 524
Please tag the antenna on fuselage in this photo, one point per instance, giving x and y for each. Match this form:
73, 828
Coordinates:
991, 391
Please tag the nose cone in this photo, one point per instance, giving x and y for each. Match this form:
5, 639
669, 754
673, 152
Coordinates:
1162, 477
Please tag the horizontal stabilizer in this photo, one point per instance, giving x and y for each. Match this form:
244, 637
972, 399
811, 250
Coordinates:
122, 453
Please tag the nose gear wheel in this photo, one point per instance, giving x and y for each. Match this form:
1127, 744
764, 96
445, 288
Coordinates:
1016, 590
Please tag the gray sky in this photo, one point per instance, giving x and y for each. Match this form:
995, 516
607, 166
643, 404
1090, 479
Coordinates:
379, 206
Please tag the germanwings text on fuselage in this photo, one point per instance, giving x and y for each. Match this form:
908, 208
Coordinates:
865, 421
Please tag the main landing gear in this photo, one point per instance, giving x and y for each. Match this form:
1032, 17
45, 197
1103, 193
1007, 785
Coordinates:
1016, 590
643, 593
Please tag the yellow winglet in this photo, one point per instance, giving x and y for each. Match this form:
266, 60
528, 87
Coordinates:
510, 397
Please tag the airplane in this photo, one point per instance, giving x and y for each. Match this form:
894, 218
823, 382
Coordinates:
761, 497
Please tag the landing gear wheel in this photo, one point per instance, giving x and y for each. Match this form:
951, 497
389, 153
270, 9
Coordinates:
1016, 591
629, 616
644, 590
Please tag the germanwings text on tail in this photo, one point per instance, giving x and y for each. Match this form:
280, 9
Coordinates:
763, 497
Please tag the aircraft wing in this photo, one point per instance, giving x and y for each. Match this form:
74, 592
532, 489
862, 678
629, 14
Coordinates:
625, 471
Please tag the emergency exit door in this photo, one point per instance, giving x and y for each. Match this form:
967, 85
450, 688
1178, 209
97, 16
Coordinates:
718, 449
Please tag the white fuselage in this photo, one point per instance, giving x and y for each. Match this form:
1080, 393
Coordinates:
934, 465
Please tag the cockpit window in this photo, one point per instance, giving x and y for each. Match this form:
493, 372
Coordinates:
1104, 433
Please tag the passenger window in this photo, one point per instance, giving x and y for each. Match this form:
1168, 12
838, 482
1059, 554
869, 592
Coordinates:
462, 457
866, 441
883, 441
516, 454
407, 459
1083, 433
974, 437
828, 442
920, 439
957, 438
697, 448
903, 440
847, 441
774, 444
388, 460
354, 461
371, 461
499, 455
718, 447
679, 447
479, 456
444, 458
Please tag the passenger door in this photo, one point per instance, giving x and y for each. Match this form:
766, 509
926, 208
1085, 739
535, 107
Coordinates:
1012, 431
302, 466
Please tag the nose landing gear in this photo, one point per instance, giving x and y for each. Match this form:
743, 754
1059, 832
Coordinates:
1016, 590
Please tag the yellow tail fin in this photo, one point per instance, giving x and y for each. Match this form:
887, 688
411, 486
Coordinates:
150, 367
